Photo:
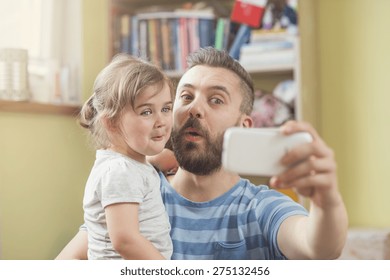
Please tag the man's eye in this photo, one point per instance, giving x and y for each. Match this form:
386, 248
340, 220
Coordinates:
216, 101
186, 97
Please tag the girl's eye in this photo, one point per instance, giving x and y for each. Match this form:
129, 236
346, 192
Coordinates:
166, 109
146, 113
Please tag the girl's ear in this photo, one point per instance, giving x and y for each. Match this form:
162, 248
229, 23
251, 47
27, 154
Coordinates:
109, 124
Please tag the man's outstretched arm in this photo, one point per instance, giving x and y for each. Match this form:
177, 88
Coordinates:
312, 174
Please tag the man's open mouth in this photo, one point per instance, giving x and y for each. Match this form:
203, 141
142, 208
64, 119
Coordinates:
192, 134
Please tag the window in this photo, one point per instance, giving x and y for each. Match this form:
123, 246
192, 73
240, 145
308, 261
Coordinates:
51, 31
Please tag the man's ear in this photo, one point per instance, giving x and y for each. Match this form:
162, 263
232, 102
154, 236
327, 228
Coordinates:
247, 121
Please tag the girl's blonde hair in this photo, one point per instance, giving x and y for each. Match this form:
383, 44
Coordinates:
116, 87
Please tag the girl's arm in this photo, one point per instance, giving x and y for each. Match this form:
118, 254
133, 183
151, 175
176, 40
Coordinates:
123, 228
76, 248
164, 161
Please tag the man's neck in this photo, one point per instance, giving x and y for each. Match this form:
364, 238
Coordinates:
203, 188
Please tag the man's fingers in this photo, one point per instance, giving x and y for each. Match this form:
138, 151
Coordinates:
316, 181
307, 168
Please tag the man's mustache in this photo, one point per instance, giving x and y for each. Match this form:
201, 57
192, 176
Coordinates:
193, 123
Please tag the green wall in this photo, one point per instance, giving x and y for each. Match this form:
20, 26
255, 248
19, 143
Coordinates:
354, 67
44, 163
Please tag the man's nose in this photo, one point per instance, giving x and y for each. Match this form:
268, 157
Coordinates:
196, 110
196, 115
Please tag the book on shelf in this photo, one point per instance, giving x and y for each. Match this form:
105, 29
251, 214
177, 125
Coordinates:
134, 35
143, 43
125, 42
155, 42
222, 34
183, 41
219, 33
274, 35
241, 38
175, 27
265, 46
249, 12
165, 44
206, 32
284, 58
194, 33
267, 49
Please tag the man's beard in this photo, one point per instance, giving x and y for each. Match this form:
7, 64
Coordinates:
192, 156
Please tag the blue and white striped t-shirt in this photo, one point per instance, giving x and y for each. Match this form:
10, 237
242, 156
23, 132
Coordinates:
241, 224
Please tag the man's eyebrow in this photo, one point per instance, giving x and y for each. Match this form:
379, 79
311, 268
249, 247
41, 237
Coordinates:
187, 86
219, 88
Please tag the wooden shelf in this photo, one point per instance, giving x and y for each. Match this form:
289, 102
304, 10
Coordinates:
271, 69
39, 108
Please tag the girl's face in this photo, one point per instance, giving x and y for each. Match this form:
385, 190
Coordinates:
143, 130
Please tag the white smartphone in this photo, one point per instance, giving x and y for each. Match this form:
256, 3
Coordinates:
258, 151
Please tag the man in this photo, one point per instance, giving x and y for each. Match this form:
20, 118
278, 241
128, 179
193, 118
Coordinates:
214, 213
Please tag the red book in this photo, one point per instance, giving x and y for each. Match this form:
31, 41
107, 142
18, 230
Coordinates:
248, 12
184, 45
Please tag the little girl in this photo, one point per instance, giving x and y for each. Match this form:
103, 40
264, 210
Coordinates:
129, 117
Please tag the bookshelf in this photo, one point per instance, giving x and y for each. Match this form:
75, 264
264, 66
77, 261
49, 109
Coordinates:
154, 31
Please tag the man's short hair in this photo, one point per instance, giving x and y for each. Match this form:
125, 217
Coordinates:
212, 57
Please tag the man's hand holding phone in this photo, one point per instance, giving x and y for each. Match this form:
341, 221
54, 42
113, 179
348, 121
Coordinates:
294, 155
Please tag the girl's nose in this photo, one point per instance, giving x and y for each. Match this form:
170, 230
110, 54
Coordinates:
160, 120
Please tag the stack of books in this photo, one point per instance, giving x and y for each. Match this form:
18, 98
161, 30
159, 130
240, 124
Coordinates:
268, 50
